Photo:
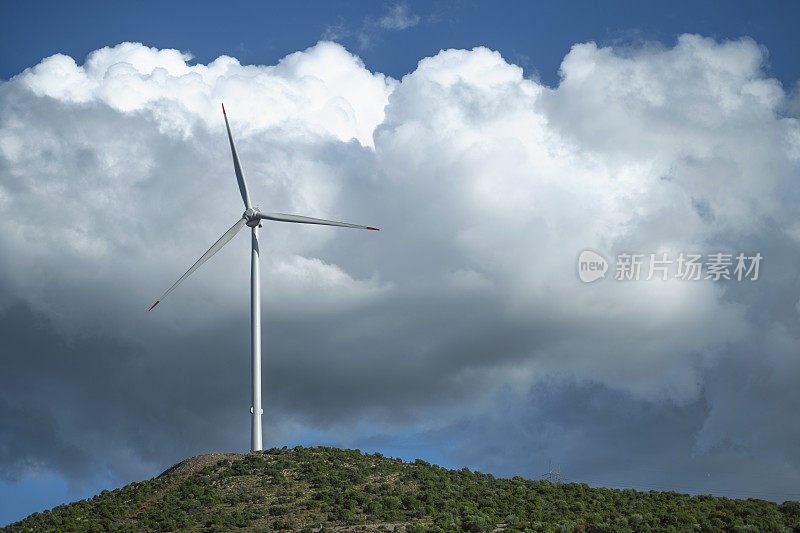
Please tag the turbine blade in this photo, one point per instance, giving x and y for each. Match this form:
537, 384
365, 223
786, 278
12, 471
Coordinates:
308, 220
211, 251
236, 166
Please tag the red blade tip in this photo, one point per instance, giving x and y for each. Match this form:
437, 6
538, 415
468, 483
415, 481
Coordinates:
223, 109
374, 229
155, 304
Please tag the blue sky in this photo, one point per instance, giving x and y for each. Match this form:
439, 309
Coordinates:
535, 35
601, 427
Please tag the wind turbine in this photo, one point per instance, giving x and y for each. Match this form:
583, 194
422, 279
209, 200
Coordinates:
252, 217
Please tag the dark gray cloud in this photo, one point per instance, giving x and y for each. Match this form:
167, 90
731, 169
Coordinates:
610, 439
461, 328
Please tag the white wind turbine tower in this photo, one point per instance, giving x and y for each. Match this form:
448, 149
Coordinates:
252, 217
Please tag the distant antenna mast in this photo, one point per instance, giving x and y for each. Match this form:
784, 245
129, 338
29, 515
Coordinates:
554, 475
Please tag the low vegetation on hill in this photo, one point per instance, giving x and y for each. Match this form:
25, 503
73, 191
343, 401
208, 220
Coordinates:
328, 489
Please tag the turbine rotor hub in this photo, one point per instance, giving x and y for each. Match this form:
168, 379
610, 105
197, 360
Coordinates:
251, 215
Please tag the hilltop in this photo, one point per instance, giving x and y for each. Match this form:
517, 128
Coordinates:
328, 489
